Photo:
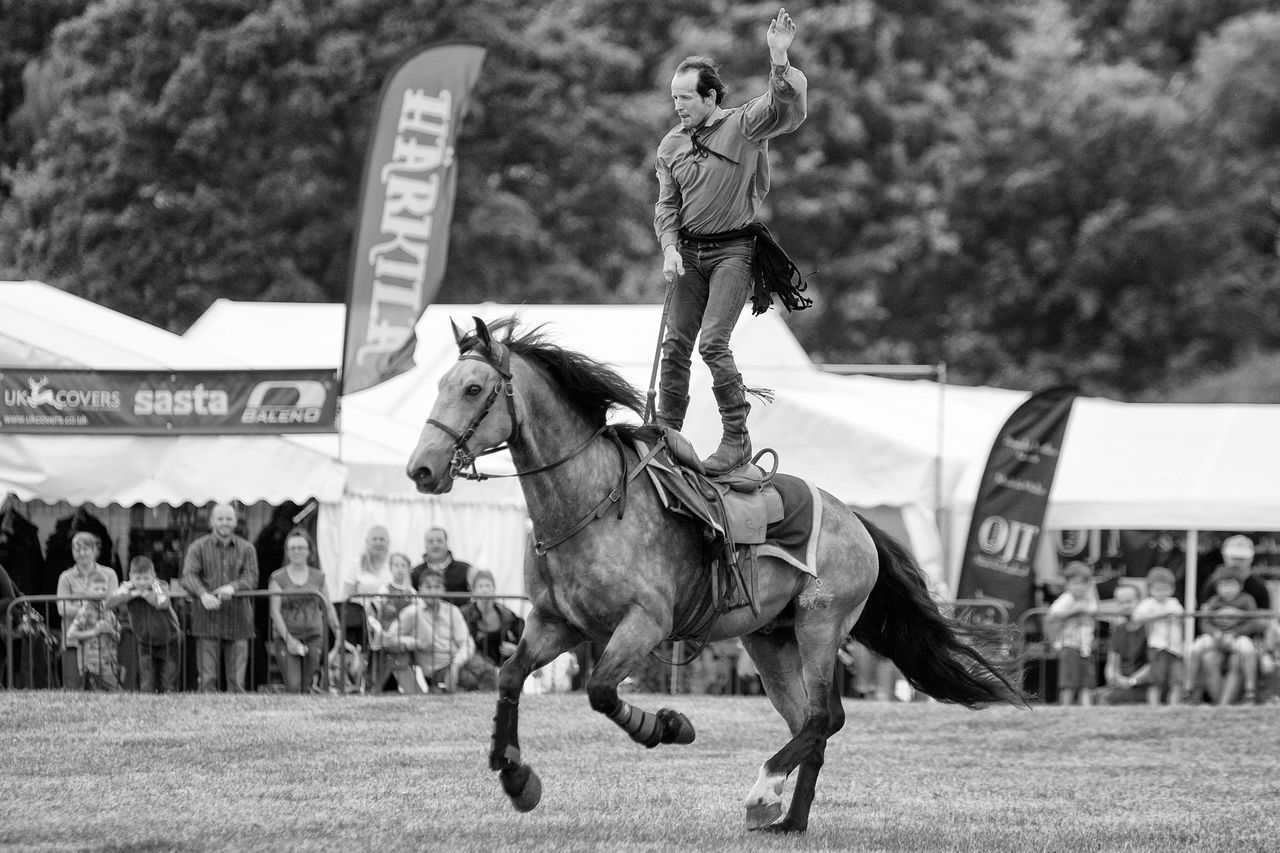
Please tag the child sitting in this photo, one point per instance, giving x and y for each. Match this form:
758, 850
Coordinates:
97, 631
1226, 638
1162, 615
1071, 620
1128, 668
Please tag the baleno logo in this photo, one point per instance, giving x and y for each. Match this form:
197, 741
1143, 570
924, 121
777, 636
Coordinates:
285, 401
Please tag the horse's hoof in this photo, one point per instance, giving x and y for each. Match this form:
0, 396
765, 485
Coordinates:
676, 727
760, 815
523, 786
783, 827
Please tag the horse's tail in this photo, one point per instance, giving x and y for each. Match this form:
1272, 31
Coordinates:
937, 654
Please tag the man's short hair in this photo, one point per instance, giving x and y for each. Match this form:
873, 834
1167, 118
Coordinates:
141, 564
708, 76
1159, 574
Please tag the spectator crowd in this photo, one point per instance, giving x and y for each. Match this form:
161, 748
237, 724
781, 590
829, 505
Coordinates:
438, 626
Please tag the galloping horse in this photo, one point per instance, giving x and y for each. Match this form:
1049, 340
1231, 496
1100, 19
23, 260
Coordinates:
617, 577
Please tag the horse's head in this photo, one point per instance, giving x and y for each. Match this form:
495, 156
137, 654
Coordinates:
474, 411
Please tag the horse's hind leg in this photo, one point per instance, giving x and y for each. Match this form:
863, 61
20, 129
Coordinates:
813, 712
632, 640
542, 641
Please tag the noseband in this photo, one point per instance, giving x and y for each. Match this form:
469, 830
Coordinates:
463, 455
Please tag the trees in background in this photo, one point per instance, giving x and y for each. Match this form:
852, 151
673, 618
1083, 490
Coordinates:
1084, 190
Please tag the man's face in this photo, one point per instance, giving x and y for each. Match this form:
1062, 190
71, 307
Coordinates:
1161, 591
691, 107
437, 545
142, 578
431, 585
223, 521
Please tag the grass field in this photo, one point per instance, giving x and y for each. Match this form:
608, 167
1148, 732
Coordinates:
195, 773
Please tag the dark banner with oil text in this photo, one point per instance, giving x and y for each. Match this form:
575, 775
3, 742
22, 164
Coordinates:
1008, 514
141, 402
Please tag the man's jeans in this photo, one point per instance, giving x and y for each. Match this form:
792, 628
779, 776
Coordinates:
234, 655
706, 304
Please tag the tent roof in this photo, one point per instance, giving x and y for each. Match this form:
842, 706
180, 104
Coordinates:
268, 335
870, 441
44, 326
1168, 466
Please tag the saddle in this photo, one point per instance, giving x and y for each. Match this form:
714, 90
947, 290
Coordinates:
734, 511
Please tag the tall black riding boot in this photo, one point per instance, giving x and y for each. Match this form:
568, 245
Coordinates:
735, 444
671, 408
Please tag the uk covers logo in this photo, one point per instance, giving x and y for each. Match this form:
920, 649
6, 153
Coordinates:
43, 404
285, 401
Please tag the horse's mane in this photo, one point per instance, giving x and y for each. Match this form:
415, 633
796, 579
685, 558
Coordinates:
589, 387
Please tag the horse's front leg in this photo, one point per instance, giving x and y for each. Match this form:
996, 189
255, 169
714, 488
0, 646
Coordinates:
543, 640
632, 640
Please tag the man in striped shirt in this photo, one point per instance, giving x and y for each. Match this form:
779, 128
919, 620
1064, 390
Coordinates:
218, 565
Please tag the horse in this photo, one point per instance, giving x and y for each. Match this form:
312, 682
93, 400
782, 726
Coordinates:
611, 565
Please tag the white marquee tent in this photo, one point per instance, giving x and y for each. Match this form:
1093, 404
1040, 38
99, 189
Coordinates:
908, 445
885, 445
1156, 466
44, 326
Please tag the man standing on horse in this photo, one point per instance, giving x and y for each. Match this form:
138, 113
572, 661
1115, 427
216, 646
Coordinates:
713, 174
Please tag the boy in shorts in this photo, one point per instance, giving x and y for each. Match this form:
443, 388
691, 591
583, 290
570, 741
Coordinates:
1162, 615
1071, 618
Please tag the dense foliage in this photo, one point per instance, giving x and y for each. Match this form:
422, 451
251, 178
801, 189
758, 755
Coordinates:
1030, 191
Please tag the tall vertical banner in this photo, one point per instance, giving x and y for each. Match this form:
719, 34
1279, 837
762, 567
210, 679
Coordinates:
406, 206
1008, 514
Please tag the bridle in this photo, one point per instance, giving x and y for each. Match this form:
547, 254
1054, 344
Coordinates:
463, 455
498, 357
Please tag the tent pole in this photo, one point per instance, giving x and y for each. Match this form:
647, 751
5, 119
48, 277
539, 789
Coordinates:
940, 374
1189, 590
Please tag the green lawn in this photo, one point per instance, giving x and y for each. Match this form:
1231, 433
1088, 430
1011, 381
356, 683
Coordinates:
193, 773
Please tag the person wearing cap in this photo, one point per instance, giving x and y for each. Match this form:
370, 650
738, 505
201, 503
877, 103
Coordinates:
1237, 555
1225, 642
1161, 614
1071, 618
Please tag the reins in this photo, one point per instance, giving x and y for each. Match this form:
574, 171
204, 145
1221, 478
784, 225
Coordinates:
464, 456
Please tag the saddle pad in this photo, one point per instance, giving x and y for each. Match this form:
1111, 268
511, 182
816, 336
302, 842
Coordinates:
794, 539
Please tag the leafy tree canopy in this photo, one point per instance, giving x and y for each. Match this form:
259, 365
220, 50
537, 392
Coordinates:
1032, 191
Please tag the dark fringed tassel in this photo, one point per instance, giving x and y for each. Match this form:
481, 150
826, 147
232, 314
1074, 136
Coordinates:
775, 275
764, 395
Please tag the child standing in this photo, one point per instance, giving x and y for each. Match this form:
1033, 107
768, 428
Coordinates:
1071, 617
153, 624
1162, 615
97, 631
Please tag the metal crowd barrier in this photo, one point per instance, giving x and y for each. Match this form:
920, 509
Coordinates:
37, 657
1037, 639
